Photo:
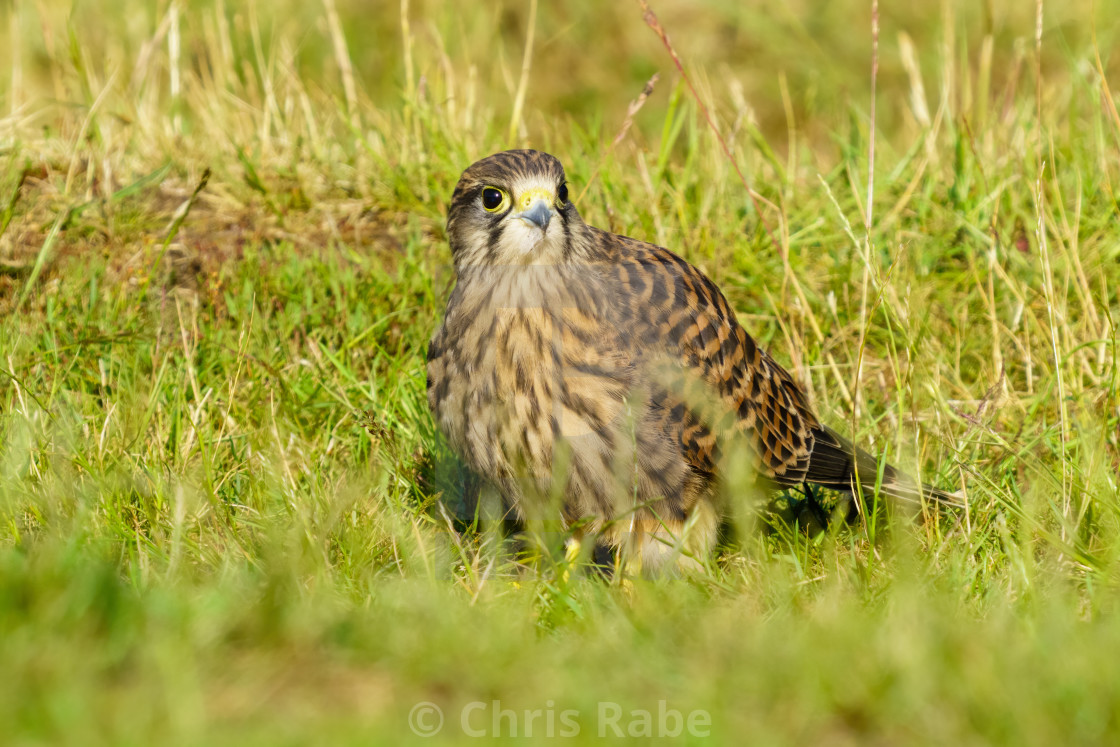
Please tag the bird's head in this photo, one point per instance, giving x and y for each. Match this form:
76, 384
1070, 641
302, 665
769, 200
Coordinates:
512, 208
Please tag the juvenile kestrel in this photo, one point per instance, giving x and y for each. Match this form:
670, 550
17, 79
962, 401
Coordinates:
605, 382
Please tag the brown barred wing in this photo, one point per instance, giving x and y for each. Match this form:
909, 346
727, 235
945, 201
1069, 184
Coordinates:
725, 385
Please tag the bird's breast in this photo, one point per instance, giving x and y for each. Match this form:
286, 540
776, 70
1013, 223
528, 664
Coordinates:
517, 370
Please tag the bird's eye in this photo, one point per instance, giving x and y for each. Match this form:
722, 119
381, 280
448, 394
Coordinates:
562, 193
494, 199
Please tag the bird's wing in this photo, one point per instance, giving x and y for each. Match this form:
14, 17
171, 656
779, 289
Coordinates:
678, 313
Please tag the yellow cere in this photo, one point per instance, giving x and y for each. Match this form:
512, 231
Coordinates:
528, 196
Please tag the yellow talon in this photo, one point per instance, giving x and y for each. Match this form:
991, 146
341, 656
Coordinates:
571, 555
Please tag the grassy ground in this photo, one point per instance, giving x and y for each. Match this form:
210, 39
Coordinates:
221, 259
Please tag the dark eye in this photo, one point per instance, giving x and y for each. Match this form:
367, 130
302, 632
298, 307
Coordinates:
562, 193
493, 198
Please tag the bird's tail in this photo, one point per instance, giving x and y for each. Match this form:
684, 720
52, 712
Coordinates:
901, 486
837, 463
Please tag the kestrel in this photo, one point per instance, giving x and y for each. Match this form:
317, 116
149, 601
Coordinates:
606, 383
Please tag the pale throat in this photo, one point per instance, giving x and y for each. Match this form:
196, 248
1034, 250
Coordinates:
522, 244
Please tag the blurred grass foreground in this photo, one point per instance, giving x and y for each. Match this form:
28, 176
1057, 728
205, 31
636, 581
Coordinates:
225, 516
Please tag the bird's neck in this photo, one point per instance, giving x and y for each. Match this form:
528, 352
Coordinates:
484, 289
555, 280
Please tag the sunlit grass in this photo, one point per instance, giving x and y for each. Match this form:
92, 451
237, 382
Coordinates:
226, 516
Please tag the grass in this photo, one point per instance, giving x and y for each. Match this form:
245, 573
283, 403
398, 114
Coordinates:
224, 511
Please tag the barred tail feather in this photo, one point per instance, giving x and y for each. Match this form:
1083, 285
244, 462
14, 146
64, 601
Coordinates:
835, 463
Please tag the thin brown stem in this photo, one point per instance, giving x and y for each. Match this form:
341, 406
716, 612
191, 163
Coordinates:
651, 20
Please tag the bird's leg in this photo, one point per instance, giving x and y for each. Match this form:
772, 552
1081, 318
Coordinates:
573, 546
603, 561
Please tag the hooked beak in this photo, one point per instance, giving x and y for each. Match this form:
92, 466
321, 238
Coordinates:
539, 214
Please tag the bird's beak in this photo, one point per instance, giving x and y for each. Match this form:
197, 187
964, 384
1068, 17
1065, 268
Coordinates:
537, 208
539, 214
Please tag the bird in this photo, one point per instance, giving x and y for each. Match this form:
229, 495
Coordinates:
606, 384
